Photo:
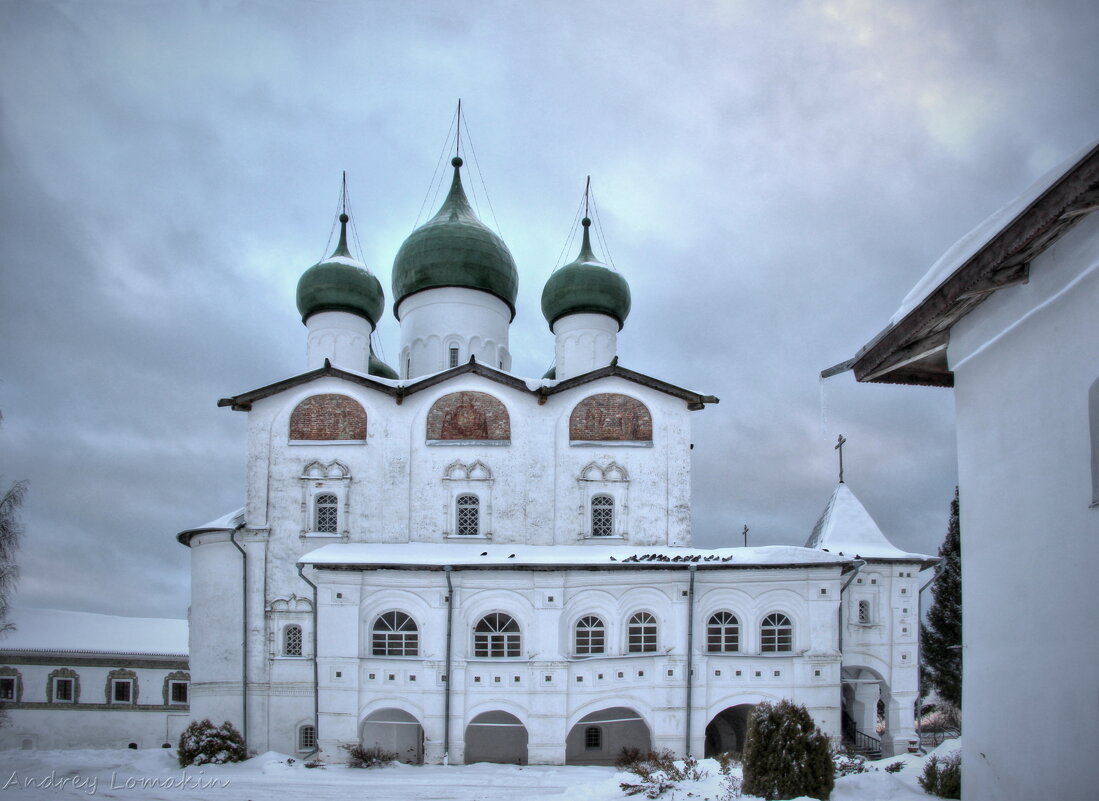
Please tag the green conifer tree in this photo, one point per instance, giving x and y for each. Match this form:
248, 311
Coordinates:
786, 755
941, 635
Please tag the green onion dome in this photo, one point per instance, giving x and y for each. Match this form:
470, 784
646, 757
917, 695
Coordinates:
454, 248
586, 285
340, 283
379, 368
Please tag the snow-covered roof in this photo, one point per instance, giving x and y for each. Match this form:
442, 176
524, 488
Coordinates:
227, 522
965, 248
480, 554
68, 631
847, 528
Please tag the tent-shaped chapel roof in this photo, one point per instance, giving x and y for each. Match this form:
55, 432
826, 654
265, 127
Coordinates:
847, 528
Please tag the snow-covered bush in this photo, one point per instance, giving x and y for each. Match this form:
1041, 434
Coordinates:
848, 762
894, 767
942, 776
203, 743
359, 757
786, 755
659, 772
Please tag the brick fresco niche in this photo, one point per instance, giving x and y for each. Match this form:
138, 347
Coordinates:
610, 417
328, 417
468, 416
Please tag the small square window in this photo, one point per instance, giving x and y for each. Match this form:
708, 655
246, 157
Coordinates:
339, 674
873, 581
904, 611
621, 674
496, 679
823, 590
685, 593
442, 678
640, 674
579, 679
392, 677
671, 672
549, 599
600, 676
515, 679
412, 677
476, 679
758, 674
816, 673
859, 581
339, 594
904, 590
717, 672
738, 673
549, 678
372, 676
778, 673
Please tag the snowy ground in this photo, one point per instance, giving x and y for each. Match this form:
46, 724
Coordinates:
154, 774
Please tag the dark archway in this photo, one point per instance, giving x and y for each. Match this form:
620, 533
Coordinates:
599, 738
496, 736
394, 731
727, 732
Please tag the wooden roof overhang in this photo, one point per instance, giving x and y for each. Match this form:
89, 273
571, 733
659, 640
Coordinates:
913, 350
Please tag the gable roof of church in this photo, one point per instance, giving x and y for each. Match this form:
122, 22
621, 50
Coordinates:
399, 391
994, 255
846, 528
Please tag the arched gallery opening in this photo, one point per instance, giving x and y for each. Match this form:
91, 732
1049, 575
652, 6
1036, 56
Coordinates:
395, 731
727, 732
496, 736
599, 738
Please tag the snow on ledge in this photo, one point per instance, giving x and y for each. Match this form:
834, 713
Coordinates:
478, 554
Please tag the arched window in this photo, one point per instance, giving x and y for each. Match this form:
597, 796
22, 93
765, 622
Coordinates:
395, 634
496, 635
468, 515
864, 612
723, 633
326, 513
602, 516
590, 636
776, 634
291, 640
641, 633
307, 738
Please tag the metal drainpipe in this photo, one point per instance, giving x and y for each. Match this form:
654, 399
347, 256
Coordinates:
691, 570
244, 631
449, 678
919, 622
316, 674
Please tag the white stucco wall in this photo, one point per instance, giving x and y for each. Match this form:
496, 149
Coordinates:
1024, 362
434, 320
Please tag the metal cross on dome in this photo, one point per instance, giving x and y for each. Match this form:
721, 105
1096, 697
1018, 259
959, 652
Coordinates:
840, 440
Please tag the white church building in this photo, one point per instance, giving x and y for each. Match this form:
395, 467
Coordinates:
459, 564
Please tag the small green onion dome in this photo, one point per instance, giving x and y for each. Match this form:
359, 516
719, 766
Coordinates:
340, 283
586, 285
454, 248
379, 368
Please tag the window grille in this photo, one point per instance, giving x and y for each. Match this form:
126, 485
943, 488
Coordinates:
776, 634
469, 516
395, 634
642, 633
723, 633
590, 636
453, 357
593, 738
307, 738
327, 513
864, 611
496, 635
292, 641
602, 516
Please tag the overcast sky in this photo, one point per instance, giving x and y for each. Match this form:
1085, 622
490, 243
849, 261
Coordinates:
771, 177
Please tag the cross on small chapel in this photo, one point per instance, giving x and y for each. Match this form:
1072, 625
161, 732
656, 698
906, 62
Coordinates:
840, 440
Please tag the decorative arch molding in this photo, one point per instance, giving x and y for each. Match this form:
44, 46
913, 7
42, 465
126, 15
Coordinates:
610, 417
116, 690
604, 502
294, 603
325, 506
328, 417
469, 505
467, 417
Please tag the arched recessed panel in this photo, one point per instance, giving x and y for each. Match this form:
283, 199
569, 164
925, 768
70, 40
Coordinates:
601, 737
328, 417
468, 416
610, 417
727, 732
496, 737
394, 731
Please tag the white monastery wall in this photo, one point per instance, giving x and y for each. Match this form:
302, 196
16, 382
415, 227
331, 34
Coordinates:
1024, 363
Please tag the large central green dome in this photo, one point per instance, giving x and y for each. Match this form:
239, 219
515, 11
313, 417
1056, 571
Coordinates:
454, 248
